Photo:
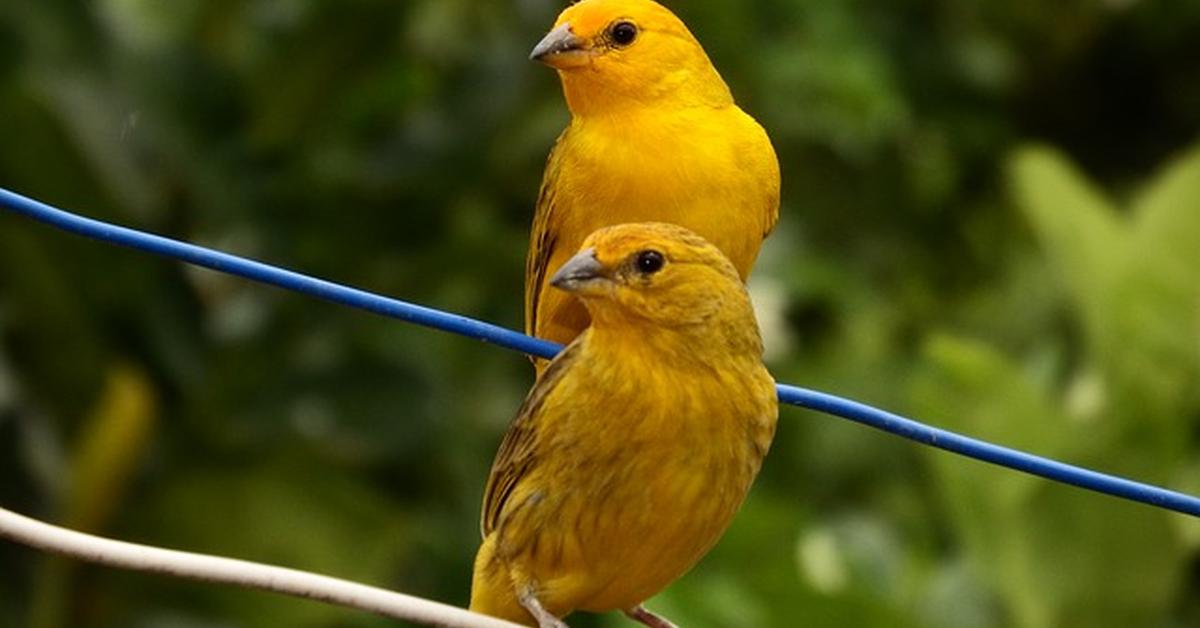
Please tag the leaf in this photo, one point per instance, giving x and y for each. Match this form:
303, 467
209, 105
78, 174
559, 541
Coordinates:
110, 449
1168, 217
1058, 555
111, 446
1135, 283
1077, 226
972, 389
1166, 270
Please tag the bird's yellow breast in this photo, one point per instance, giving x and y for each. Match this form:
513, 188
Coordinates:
617, 510
710, 170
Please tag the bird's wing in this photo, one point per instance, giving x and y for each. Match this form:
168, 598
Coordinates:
543, 236
772, 217
772, 184
517, 454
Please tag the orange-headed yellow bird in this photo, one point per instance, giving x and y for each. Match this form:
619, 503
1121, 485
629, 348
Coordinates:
640, 440
654, 136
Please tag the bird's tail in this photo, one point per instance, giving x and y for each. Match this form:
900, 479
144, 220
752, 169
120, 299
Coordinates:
492, 590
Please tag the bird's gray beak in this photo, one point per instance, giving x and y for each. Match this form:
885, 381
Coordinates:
579, 271
561, 49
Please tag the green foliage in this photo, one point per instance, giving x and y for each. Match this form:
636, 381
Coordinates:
935, 257
1057, 557
1054, 556
1133, 278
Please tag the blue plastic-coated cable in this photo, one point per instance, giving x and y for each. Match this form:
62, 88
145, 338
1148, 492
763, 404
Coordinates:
987, 452
429, 317
286, 279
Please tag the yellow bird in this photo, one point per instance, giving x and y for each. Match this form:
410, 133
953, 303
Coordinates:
654, 136
638, 443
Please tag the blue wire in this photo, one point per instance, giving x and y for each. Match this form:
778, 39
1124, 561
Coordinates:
286, 279
987, 452
813, 400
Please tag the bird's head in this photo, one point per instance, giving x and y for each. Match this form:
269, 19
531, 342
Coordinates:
613, 53
660, 275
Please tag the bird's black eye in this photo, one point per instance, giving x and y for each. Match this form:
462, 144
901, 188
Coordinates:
649, 262
623, 33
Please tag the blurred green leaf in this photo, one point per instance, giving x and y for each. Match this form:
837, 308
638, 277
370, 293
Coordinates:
111, 448
1058, 555
1134, 288
1078, 227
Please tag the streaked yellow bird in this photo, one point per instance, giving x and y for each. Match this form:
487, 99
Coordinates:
638, 443
654, 135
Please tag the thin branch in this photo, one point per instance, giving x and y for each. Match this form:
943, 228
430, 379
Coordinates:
242, 573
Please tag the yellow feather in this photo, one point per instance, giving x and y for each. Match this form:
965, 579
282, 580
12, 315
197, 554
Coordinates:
654, 136
638, 444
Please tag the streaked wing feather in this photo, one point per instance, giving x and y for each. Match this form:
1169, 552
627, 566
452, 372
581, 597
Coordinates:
542, 237
772, 216
518, 450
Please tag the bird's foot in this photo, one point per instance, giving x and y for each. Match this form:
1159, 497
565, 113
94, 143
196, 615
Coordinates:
643, 616
544, 618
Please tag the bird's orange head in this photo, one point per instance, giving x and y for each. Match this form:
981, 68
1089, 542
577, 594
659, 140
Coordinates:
612, 54
662, 276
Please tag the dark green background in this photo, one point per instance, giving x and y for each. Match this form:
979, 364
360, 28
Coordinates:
991, 221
